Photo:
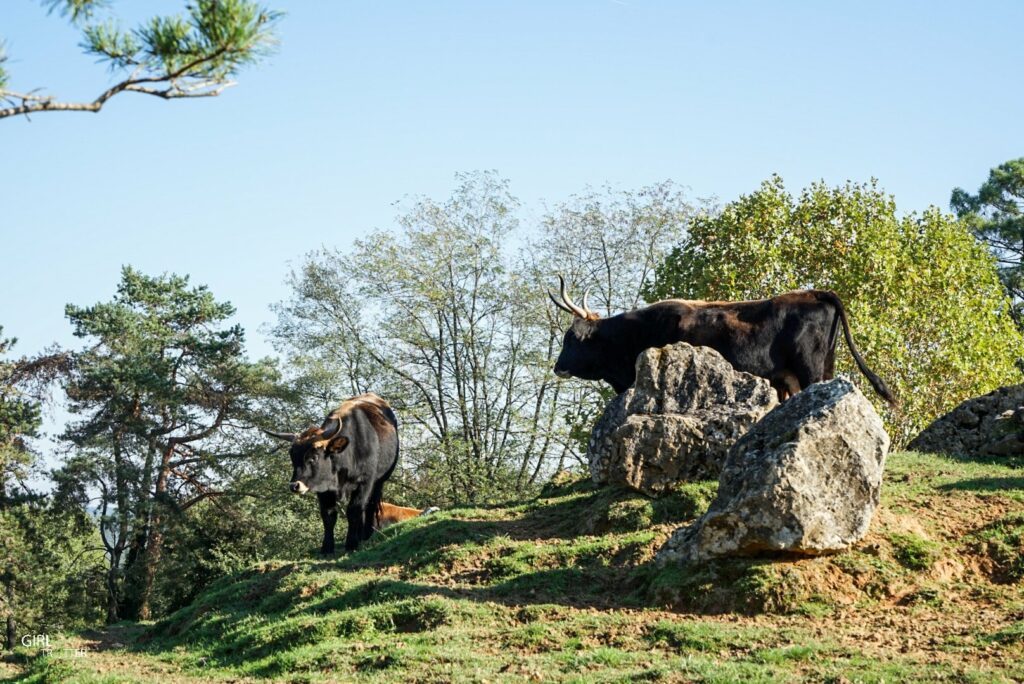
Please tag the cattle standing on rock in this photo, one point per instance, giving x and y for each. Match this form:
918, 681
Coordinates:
351, 455
790, 339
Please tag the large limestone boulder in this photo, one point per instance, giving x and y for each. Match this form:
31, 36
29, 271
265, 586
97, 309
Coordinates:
992, 424
686, 408
806, 479
602, 437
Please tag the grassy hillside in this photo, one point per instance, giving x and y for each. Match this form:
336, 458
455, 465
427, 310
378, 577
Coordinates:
562, 589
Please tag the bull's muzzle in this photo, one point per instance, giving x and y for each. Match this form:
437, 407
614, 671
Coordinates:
298, 487
562, 373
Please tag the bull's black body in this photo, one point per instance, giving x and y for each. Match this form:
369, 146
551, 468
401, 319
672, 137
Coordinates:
789, 339
353, 463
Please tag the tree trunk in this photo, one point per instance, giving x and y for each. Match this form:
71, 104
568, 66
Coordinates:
154, 545
134, 570
112, 593
10, 631
153, 550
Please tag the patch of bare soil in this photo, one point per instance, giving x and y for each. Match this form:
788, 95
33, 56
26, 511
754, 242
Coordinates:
8, 671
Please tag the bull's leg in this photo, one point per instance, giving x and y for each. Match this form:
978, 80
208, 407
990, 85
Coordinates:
808, 372
829, 371
785, 385
329, 514
356, 515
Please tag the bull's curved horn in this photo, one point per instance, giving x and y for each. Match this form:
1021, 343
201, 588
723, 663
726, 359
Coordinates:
559, 304
330, 426
585, 307
573, 307
286, 436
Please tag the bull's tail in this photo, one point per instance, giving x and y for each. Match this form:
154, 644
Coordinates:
375, 506
880, 387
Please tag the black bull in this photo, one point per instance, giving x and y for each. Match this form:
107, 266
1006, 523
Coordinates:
790, 339
350, 456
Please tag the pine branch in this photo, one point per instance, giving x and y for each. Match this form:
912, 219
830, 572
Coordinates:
170, 58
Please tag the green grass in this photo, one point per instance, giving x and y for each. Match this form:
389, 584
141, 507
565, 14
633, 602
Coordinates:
914, 552
563, 588
911, 475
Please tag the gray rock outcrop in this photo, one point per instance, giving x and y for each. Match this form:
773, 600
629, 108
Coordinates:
992, 424
686, 408
602, 442
805, 479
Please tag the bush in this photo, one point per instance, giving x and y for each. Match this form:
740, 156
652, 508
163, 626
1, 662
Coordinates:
924, 299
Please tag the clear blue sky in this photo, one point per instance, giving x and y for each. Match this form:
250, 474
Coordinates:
368, 102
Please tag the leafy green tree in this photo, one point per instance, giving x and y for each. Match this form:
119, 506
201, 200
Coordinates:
225, 535
610, 242
447, 316
19, 421
925, 303
996, 215
434, 318
164, 394
49, 577
606, 243
170, 56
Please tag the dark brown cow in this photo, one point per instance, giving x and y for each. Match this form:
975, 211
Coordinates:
790, 339
350, 456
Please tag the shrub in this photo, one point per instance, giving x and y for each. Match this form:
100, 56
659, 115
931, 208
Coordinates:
923, 296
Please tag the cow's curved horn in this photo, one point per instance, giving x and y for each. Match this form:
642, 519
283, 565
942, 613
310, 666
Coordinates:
286, 436
585, 307
573, 307
330, 426
559, 304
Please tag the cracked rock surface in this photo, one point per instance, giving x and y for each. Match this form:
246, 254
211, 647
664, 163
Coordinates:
686, 408
992, 424
805, 479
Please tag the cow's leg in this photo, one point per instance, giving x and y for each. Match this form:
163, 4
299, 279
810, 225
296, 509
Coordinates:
808, 371
780, 389
829, 371
356, 514
786, 385
329, 514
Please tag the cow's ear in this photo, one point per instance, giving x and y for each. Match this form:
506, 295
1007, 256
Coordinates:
337, 444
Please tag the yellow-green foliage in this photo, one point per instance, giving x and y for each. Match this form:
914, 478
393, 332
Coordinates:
926, 307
